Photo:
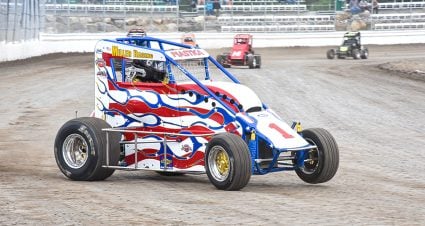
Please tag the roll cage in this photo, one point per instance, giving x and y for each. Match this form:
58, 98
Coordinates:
166, 48
351, 38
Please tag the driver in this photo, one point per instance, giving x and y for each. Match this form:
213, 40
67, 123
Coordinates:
146, 71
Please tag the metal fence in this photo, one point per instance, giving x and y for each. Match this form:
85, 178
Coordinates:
233, 16
21, 20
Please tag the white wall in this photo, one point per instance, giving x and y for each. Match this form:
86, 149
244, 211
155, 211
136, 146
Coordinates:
55, 43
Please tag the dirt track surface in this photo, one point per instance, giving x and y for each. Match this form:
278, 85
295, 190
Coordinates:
376, 115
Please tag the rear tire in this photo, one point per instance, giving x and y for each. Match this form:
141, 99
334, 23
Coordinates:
324, 160
228, 162
330, 54
258, 61
365, 53
356, 54
80, 149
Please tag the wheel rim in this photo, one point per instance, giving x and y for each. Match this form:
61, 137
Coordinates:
254, 62
219, 163
75, 151
312, 161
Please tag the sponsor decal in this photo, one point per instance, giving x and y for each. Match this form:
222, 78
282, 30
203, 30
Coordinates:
165, 162
186, 148
117, 52
100, 63
188, 53
138, 54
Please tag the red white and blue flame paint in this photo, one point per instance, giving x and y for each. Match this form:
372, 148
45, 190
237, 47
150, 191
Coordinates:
190, 107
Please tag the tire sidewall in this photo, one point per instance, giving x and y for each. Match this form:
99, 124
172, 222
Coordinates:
258, 61
84, 172
220, 59
250, 60
356, 54
309, 135
365, 54
330, 54
220, 142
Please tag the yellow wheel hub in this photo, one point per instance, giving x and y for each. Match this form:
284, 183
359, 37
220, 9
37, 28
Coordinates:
222, 162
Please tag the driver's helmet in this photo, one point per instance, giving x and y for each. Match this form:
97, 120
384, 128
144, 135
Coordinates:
241, 41
136, 32
146, 71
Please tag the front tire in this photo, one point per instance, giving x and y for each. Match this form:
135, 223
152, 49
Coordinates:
221, 59
228, 162
365, 54
80, 149
330, 54
321, 163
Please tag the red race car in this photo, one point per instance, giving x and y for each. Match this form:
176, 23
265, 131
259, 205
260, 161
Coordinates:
241, 53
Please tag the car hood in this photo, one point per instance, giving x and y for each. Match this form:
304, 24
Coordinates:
241, 94
273, 130
232, 94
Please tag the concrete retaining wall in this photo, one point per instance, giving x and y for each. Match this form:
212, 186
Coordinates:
55, 43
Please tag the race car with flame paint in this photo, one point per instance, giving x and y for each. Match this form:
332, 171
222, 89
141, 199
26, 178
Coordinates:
155, 109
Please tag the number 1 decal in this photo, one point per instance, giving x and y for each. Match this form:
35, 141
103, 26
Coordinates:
280, 130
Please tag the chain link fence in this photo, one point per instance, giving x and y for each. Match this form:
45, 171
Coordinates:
21, 20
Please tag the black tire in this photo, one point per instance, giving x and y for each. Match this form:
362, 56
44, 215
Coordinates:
356, 54
221, 60
234, 169
325, 159
330, 54
258, 61
86, 135
252, 61
365, 53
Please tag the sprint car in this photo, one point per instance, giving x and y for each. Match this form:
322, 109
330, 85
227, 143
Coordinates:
189, 39
241, 53
155, 109
351, 47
